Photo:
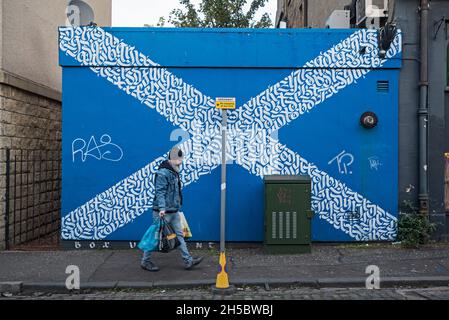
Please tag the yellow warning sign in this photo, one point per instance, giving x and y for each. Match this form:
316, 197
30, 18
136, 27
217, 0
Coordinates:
225, 103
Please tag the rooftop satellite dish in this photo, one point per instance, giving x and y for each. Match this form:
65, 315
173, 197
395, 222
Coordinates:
79, 13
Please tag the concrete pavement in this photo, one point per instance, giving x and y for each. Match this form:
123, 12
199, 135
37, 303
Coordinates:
327, 266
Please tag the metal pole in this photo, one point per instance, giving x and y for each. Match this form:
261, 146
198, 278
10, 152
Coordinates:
423, 110
446, 182
223, 180
222, 284
8, 173
306, 13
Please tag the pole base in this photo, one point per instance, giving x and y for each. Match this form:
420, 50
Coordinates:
224, 292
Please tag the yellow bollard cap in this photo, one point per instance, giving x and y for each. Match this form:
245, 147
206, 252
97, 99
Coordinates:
222, 277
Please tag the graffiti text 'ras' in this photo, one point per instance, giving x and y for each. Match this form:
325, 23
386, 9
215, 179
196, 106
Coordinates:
105, 150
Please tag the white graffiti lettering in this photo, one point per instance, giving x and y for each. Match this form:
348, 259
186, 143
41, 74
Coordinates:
105, 150
374, 163
344, 160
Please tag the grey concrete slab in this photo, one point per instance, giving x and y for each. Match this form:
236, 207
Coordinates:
48, 266
434, 281
125, 266
10, 287
183, 283
104, 285
43, 286
134, 285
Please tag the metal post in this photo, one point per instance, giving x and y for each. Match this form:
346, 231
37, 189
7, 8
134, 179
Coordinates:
14, 212
306, 13
34, 192
446, 182
222, 284
20, 196
27, 226
223, 180
8, 163
423, 110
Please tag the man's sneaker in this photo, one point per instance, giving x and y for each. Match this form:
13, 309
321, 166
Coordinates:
149, 266
194, 262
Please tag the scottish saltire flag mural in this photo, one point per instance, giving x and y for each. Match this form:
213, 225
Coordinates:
130, 94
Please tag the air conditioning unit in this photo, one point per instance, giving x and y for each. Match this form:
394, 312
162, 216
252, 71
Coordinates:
371, 13
339, 19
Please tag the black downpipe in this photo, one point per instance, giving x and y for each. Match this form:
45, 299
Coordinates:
306, 13
423, 112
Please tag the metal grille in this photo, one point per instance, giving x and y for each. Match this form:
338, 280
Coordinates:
281, 225
295, 231
33, 192
284, 225
383, 86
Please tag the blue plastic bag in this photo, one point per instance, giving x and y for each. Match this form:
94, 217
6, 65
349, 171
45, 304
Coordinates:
150, 240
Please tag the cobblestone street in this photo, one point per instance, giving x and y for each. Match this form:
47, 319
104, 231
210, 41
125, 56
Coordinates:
250, 293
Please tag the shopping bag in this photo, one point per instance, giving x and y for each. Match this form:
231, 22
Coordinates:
150, 240
185, 226
168, 240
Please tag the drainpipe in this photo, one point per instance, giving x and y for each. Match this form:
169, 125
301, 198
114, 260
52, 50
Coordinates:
306, 13
423, 113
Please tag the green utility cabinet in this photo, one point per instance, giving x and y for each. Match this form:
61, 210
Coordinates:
288, 214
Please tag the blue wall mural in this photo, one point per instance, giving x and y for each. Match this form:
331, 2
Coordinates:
130, 94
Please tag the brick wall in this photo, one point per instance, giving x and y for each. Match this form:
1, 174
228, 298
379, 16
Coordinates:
30, 125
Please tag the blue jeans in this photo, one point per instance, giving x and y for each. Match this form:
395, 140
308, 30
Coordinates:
174, 220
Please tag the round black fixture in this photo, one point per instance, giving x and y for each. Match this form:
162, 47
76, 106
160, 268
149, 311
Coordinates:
369, 120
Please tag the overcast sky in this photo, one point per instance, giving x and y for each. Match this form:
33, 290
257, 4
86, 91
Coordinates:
136, 13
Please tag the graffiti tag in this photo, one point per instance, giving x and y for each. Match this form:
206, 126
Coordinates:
105, 150
284, 196
344, 160
374, 163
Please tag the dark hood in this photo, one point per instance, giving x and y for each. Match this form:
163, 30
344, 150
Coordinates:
166, 165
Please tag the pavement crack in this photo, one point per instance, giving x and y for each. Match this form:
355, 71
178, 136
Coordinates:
442, 266
340, 256
100, 266
412, 294
232, 262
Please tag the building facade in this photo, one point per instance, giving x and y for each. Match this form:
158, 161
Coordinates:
406, 14
306, 13
30, 112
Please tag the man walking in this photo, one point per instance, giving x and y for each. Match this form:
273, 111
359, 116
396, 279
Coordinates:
166, 204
